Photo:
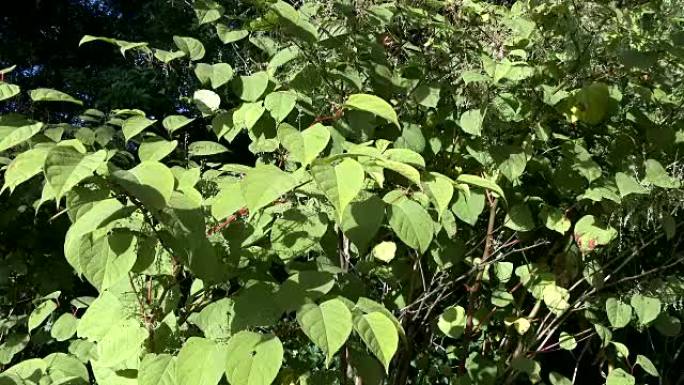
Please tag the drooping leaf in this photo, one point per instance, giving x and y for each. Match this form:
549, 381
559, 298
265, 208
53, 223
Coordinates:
373, 104
328, 325
50, 95
379, 334
253, 358
478, 181
589, 234
65, 168
411, 223
340, 183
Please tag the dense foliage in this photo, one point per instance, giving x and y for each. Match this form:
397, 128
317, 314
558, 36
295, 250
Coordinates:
352, 192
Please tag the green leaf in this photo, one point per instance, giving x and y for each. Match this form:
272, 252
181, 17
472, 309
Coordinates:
405, 170
107, 258
227, 201
18, 135
628, 185
385, 251
567, 341
65, 168
619, 313
8, 90
340, 183
250, 88
374, 105
426, 96
304, 286
123, 341
452, 321
280, 104
619, 377
135, 125
478, 181
248, 115
215, 320
167, 56
294, 22
103, 313
217, 74
440, 189
228, 36
528, 366
24, 167
253, 358
40, 314
558, 379
173, 123
657, 175
303, 146
554, 219
646, 308
588, 234
206, 148
157, 369
379, 334
206, 101
264, 184
362, 220
412, 224
50, 95
647, 365
468, 207
155, 149
150, 182
667, 325
65, 327
519, 218
207, 11
192, 47
471, 122
328, 325
66, 369
200, 362
309, 225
